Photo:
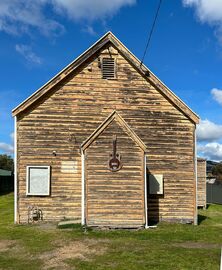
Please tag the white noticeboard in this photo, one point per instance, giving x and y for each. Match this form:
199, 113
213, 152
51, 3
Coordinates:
156, 184
38, 180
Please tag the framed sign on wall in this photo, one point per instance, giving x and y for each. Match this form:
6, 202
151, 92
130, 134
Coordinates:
38, 180
156, 184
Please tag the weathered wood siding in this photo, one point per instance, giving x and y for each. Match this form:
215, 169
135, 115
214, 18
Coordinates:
115, 198
201, 182
73, 109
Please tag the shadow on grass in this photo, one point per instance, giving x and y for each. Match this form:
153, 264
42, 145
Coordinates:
153, 222
207, 206
70, 226
5, 192
201, 218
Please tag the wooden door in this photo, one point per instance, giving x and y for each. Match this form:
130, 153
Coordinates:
114, 198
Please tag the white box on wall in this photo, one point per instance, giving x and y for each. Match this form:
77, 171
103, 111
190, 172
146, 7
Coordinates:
155, 184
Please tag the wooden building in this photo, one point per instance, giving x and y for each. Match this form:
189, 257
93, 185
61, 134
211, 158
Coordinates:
106, 143
201, 182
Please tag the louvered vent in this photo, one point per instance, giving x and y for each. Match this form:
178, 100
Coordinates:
108, 68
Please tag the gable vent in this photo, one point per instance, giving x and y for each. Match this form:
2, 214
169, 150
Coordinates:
108, 68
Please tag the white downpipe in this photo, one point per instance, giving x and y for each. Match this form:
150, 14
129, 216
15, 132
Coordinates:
83, 187
195, 164
145, 187
15, 171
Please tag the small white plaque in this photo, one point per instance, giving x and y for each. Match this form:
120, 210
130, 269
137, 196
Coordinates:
155, 184
69, 166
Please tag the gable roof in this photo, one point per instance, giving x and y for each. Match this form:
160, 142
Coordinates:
108, 37
104, 125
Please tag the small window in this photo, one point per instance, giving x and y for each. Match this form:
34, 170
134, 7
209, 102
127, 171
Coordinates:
108, 68
38, 180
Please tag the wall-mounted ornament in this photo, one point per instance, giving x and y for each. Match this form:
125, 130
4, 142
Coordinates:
114, 163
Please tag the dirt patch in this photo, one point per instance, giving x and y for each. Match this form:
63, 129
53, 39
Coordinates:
196, 245
82, 250
47, 226
6, 245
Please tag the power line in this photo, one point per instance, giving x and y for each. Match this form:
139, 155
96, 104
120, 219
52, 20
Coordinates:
151, 32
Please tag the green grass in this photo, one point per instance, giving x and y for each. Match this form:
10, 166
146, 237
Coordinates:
169, 246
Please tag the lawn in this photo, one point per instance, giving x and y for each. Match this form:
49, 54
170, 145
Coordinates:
169, 246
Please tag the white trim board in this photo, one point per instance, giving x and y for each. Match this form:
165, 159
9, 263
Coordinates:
15, 172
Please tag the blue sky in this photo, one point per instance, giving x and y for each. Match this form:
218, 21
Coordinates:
39, 38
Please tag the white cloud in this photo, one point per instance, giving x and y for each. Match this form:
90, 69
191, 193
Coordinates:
6, 148
208, 131
88, 9
211, 151
89, 29
217, 95
208, 11
21, 16
26, 51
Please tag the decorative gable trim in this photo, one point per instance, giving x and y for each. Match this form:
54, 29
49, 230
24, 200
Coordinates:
105, 123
